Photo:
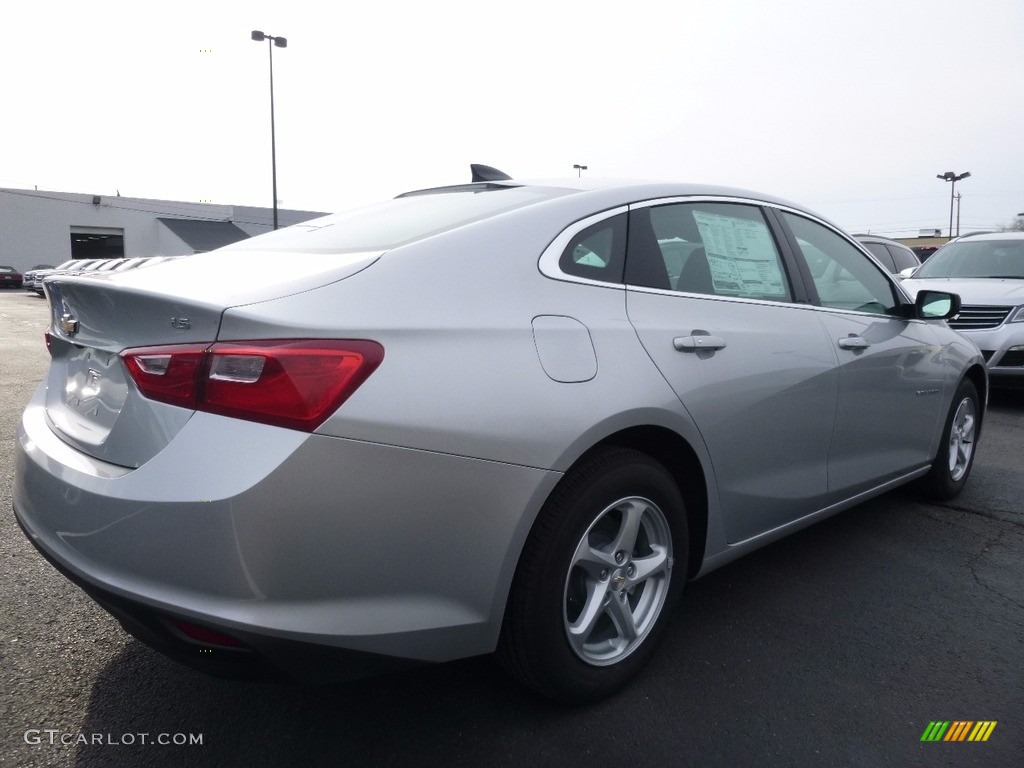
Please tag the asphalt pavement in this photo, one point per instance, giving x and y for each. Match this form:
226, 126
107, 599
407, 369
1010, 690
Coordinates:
838, 646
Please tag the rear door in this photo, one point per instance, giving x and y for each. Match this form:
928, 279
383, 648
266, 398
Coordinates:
714, 307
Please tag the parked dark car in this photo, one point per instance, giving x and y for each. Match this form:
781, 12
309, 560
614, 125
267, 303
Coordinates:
924, 251
895, 256
9, 277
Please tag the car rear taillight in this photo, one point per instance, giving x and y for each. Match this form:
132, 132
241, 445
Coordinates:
167, 374
286, 382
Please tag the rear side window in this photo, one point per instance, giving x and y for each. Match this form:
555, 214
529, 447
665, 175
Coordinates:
597, 252
720, 249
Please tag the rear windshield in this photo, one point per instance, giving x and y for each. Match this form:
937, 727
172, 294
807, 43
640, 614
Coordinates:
404, 220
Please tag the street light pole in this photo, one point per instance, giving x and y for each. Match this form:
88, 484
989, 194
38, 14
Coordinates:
280, 42
952, 177
579, 170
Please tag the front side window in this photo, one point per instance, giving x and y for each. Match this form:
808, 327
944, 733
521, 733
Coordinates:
843, 276
720, 249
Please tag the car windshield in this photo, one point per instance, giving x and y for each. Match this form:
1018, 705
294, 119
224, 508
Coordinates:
6, 269
976, 258
405, 219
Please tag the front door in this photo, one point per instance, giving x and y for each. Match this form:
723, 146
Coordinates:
891, 375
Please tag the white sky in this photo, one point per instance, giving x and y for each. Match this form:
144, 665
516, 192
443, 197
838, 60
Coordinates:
851, 108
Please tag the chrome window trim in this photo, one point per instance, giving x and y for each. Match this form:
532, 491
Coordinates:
548, 263
717, 297
549, 259
703, 199
768, 302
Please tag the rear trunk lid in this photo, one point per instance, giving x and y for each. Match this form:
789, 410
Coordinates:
91, 401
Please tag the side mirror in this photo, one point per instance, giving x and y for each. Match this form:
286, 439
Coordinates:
937, 305
908, 272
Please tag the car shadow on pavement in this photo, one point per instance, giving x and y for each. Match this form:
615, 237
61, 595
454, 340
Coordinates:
833, 646
426, 716
1011, 400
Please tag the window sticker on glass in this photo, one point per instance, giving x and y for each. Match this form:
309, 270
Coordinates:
595, 249
583, 255
741, 255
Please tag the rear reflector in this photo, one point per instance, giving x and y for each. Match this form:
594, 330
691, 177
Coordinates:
205, 635
294, 383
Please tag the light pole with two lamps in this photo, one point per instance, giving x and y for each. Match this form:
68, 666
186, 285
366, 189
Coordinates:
953, 177
579, 170
280, 42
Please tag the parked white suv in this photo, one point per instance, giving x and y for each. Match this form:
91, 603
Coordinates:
987, 271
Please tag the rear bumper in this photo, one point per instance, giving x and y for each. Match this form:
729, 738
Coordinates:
311, 551
256, 657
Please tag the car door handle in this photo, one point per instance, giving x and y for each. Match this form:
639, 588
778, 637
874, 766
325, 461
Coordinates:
698, 342
853, 342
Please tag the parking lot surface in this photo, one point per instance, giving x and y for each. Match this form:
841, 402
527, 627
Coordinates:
837, 646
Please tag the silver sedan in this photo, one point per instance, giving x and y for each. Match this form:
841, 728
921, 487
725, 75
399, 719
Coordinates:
500, 417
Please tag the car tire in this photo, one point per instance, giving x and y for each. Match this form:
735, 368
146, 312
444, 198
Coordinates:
601, 569
952, 465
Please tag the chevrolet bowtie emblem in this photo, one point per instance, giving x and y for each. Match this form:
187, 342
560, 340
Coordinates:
69, 324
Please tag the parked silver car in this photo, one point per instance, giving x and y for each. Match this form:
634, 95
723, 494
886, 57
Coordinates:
33, 278
987, 271
72, 265
501, 416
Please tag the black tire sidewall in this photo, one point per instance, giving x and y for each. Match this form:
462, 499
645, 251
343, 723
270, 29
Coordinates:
572, 510
939, 483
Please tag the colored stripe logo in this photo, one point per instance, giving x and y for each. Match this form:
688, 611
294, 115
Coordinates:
958, 730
